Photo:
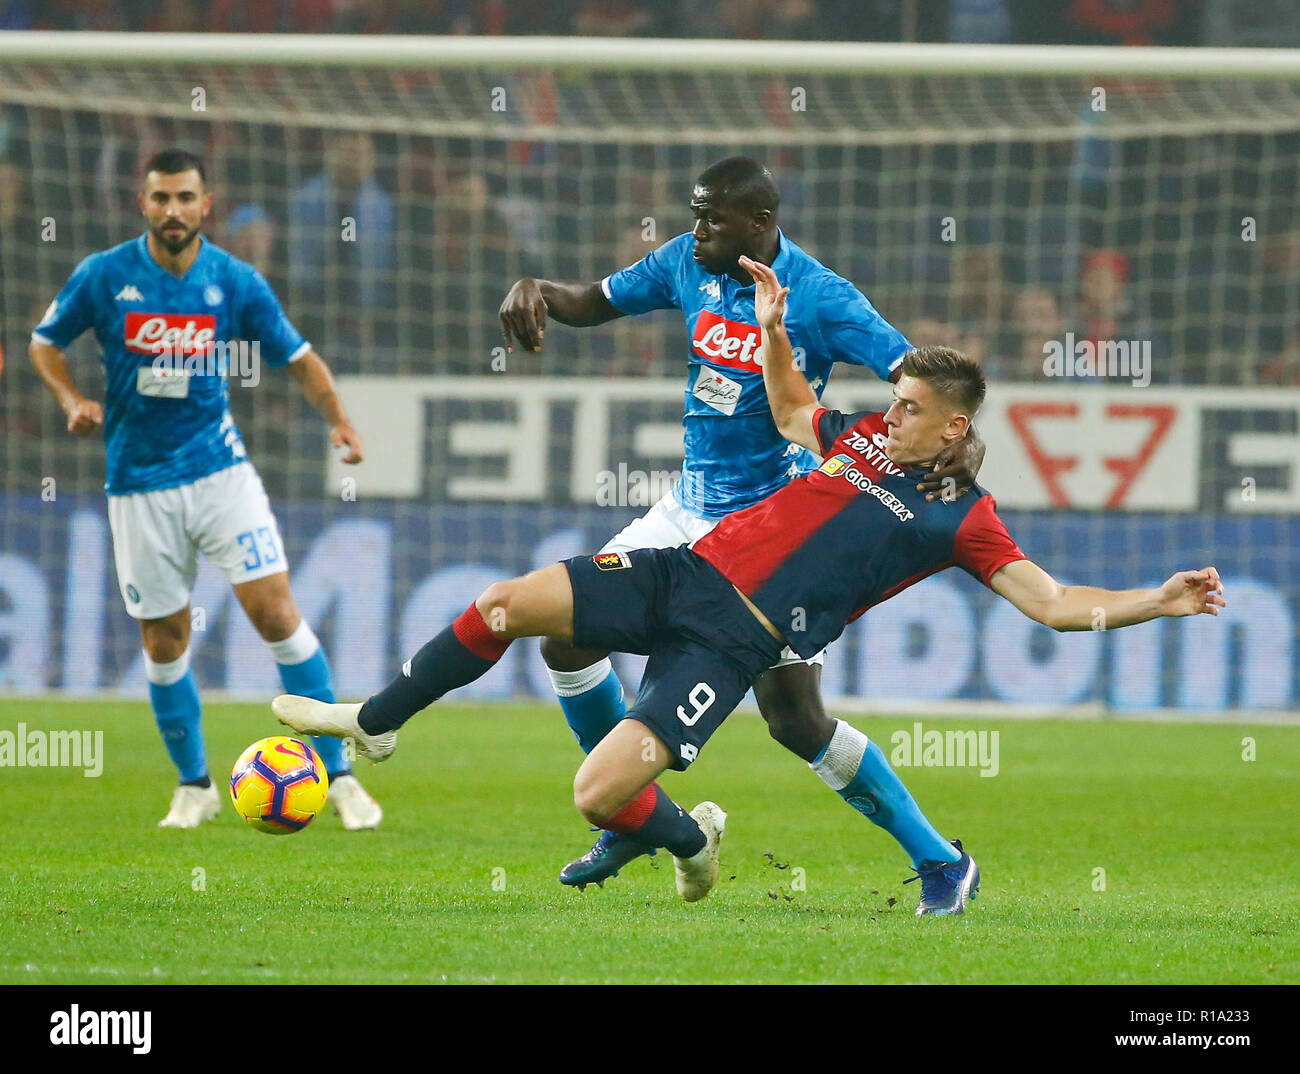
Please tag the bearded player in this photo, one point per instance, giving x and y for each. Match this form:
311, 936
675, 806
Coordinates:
713, 617
179, 480
735, 455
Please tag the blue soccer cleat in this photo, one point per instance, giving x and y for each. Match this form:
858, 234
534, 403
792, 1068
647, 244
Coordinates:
946, 886
611, 852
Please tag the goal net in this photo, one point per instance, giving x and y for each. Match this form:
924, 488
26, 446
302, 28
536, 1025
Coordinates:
1114, 232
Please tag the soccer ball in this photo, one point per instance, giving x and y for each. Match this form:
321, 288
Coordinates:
278, 785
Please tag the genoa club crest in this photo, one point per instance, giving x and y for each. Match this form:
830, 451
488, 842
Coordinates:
612, 561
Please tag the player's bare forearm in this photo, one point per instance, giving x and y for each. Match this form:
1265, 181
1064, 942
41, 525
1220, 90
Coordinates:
320, 391
792, 401
789, 395
1080, 607
85, 416
530, 301
53, 370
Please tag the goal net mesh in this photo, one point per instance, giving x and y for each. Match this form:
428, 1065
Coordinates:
391, 208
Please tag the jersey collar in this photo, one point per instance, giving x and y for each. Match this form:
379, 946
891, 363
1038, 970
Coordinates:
779, 263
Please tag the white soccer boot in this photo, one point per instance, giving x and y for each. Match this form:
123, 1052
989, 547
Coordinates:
313, 717
191, 806
353, 804
696, 875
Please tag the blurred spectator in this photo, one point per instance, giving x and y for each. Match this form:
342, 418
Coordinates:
1107, 313
611, 18
1269, 23
341, 230
1035, 320
929, 331
984, 22
1279, 332
1133, 22
976, 290
250, 236
15, 15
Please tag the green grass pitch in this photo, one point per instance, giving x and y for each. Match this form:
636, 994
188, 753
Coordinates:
1198, 848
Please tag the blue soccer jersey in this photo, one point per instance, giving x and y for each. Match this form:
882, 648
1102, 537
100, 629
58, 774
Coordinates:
734, 455
168, 423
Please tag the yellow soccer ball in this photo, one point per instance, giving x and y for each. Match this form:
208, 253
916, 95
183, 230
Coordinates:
279, 785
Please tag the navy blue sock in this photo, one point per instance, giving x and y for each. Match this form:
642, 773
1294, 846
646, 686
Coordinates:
656, 820
462, 653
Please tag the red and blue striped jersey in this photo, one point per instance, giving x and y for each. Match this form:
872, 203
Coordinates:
819, 552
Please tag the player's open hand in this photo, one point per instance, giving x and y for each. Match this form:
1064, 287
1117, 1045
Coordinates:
1192, 593
523, 316
769, 295
954, 469
343, 435
85, 417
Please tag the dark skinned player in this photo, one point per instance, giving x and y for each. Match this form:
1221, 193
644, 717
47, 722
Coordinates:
734, 454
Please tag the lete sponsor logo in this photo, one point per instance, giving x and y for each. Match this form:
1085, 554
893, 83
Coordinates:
175, 333
729, 343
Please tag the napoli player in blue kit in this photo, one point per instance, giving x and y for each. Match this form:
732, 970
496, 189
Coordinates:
735, 456
164, 308
791, 570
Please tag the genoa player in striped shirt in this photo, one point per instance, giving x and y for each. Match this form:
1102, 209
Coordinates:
790, 570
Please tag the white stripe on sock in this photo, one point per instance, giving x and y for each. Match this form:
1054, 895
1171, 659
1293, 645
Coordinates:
572, 683
843, 756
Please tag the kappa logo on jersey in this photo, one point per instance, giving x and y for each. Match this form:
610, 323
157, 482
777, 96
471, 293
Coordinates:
177, 333
612, 561
129, 293
711, 289
729, 343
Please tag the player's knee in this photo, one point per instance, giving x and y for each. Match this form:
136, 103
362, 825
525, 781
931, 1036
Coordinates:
559, 655
276, 619
592, 799
494, 606
801, 726
164, 648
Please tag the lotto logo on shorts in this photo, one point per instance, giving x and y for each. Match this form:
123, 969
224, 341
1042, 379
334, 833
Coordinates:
831, 467
612, 561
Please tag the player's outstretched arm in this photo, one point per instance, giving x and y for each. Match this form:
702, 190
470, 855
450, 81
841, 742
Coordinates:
85, 416
789, 396
318, 386
530, 301
1083, 607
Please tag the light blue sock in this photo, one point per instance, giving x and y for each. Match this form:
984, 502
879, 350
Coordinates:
858, 772
309, 676
174, 695
592, 700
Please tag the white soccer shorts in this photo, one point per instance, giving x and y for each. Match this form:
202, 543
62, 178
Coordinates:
157, 537
668, 524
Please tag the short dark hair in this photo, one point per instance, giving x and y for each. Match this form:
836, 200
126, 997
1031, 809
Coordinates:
959, 379
744, 182
174, 161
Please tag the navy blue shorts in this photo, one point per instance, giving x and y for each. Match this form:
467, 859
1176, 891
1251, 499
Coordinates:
706, 648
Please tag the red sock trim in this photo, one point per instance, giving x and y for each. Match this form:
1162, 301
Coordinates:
630, 818
472, 631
